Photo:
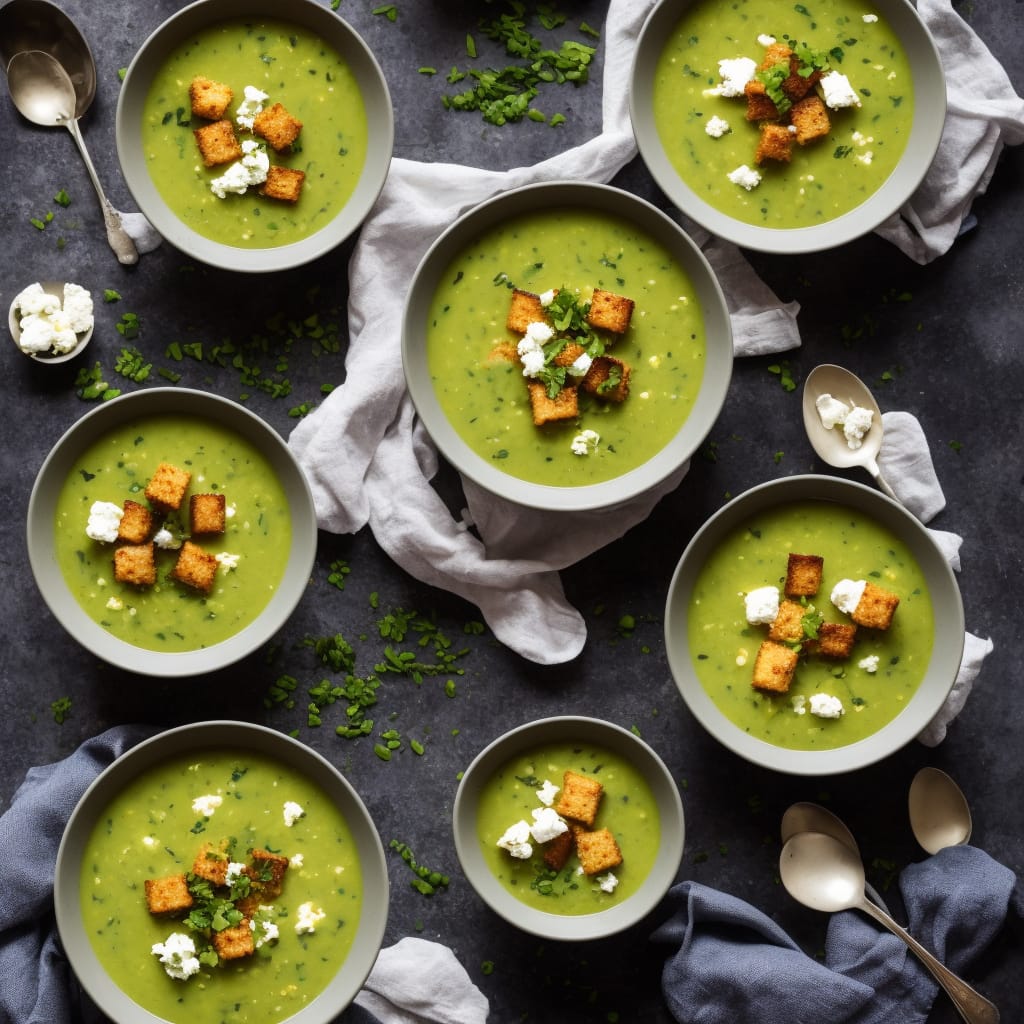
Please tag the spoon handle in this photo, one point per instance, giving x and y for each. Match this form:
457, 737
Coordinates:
883, 484
972, 1006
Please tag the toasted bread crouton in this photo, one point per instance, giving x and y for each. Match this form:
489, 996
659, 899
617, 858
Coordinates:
206, 513
136, 523
608, 378
803, 575
267, 871
557, 850
209, 99
875, 608
795, 86
759, 104
277, 126
283, 183
788, 625
168, 895
211, 863
775, 143
218, 143
136, 564
810, 119
775, 53
835, 639
580, 797
166, 488
564, 406
525, 309
235, 942
195, 567
610, 312
598, 851
774, 667
570, 352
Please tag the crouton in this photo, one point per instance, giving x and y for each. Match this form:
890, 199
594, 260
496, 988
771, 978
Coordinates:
775, 143
283, 183
835, 639
598, 851
267, 871
211, 863
136, 564
277, 126
875, 608
795, 86
166, 488
610, 312
788, 624
209, 99
803, 575
774, 667
168, 895
557, 850
564, 406
218, 143
235, 942
136, 523
810, 119
580, 797
206, 513
608, 378
759, 105
570, 352
524, 309
195, 567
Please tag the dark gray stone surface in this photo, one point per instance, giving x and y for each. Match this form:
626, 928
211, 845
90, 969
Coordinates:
947, 337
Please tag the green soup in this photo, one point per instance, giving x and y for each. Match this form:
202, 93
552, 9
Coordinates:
627, 808
293, 67
825, 178
723, 644
485, 397
152, 831
170, 616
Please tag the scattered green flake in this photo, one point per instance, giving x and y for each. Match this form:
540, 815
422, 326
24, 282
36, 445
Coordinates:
39, 225
784, 373
487, 967
121, 72
416, 747
61, 709
339, 570
778, 456
589, 30
335, 4
132, 365
110, 295
389, 11
470, 47
281, 692
427, 71
449, 688
128, 326
957, 446
426, 881
62, 199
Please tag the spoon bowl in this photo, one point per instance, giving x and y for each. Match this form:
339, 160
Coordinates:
939, 813
808, 817
830, 442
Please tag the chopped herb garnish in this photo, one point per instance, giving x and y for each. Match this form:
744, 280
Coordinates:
61, 709
62, 199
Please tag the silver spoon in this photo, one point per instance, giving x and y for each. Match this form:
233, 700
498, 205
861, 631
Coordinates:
44, 93
823, 874
830, 443
939, 813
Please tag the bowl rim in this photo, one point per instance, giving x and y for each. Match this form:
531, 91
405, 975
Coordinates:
582, 927
562, 193
919, 152
947, 648
50, 580
221, 734
379, 115
51, 286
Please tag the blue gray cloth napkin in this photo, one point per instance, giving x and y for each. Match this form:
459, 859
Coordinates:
733, 963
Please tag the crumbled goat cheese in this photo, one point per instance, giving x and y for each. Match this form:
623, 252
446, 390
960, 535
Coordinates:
766, 40
745, 176
856, 425
531, 347
292, 812
296, 860
78, 308
585, 442
307, 918
104, 520
762, 605
164, 539
33, 301
115, 604
547, 793
250, 106
235, 871
539, 331
206, 805
178, 955
546, 824
837, 91
607, 882
580, 366
516, 840
869, 664
735, 73
250, 170
830, 410
546, 298
869, 18
799, 703
846, 595
264, 929
226, 560
716, 126
824, 705
46, 325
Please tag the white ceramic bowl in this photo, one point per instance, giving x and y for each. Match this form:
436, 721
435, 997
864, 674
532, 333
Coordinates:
948, 640
220, 735
55, 288
929, 116
607, 736
503, 209
334, 31
41, 530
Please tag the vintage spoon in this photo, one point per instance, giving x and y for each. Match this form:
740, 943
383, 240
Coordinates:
45, 95
822, 873
939, 814
830, 443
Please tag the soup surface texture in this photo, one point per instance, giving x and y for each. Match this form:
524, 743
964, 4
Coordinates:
826, 177
485, 397
294, 68
170, 616
723, 644
151, 830
628, 809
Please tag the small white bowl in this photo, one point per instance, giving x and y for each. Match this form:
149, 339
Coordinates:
56, 289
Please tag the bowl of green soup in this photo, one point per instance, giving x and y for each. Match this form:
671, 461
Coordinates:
255, 136
787, 128
569, 828
566, 345
221, 871
171, 532
813, 625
